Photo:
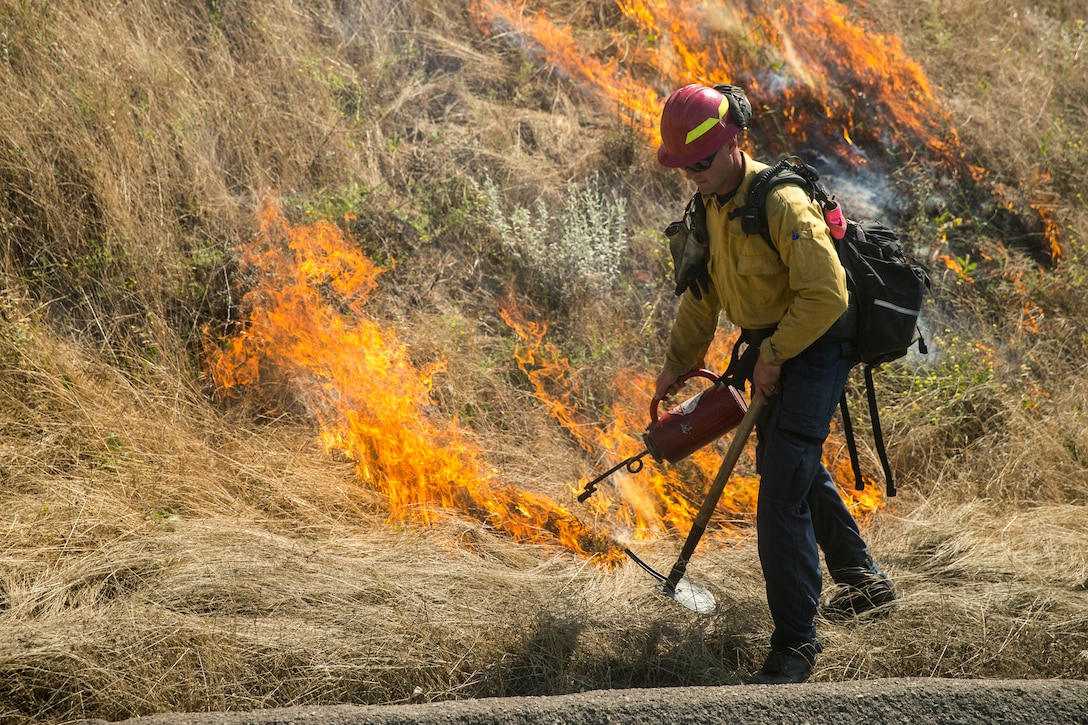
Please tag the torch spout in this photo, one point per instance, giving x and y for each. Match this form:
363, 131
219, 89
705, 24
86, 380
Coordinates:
634, 464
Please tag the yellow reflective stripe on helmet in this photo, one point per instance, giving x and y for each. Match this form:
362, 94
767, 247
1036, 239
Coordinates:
707, 124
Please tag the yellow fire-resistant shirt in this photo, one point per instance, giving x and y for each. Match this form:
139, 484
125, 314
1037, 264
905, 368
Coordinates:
799, 286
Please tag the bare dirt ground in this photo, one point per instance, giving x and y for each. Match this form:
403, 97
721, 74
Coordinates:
915, 700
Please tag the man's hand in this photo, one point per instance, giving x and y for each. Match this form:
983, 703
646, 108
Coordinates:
765, 379
666, 385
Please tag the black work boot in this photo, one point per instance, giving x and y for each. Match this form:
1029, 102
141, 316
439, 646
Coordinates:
860, 592
784, 667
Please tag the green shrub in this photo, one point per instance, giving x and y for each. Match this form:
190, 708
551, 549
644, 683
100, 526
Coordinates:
574, 252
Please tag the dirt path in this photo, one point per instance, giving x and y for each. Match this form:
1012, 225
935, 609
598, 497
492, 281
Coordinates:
867, 701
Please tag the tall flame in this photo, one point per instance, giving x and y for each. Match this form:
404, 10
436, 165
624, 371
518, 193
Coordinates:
308, 329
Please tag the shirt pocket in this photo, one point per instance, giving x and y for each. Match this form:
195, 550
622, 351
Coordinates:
760, 280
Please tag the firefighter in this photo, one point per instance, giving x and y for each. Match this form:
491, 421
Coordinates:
785, 299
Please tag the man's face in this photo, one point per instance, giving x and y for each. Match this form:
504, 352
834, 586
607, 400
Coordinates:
722, 175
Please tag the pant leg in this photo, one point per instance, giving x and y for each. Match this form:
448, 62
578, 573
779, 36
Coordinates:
796, 514
786, 538
836, 530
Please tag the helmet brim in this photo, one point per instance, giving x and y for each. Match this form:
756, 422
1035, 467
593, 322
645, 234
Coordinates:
678, 160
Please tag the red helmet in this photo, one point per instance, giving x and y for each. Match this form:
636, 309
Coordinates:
695, 122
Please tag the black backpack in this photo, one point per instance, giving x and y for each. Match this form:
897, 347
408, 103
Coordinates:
886, 288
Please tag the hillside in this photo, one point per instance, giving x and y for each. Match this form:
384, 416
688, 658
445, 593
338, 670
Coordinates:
318, 316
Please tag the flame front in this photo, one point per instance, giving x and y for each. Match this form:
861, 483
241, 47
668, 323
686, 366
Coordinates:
307, 330
308, 338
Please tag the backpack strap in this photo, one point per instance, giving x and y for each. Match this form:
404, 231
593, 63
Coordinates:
791, 170
742, 361
851, 444
878, 435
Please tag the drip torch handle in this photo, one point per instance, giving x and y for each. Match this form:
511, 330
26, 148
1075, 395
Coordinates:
655, 404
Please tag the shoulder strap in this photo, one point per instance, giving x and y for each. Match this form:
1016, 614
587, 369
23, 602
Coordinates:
753, 214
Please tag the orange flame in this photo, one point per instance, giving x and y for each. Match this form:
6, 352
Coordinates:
1043, 202
307, 329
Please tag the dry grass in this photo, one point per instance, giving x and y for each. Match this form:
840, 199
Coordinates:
167, 551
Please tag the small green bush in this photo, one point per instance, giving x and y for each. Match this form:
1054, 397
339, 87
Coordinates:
575, 252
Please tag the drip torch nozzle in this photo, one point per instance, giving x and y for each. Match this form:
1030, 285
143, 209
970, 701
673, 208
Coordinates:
633, 464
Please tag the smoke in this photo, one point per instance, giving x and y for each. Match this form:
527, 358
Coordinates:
863, 192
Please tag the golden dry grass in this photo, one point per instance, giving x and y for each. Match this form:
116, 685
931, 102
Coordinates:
166, 550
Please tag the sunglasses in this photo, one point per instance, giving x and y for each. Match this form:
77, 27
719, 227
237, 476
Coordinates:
702, 165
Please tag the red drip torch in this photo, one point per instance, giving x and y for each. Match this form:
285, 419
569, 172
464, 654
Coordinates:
684, 429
